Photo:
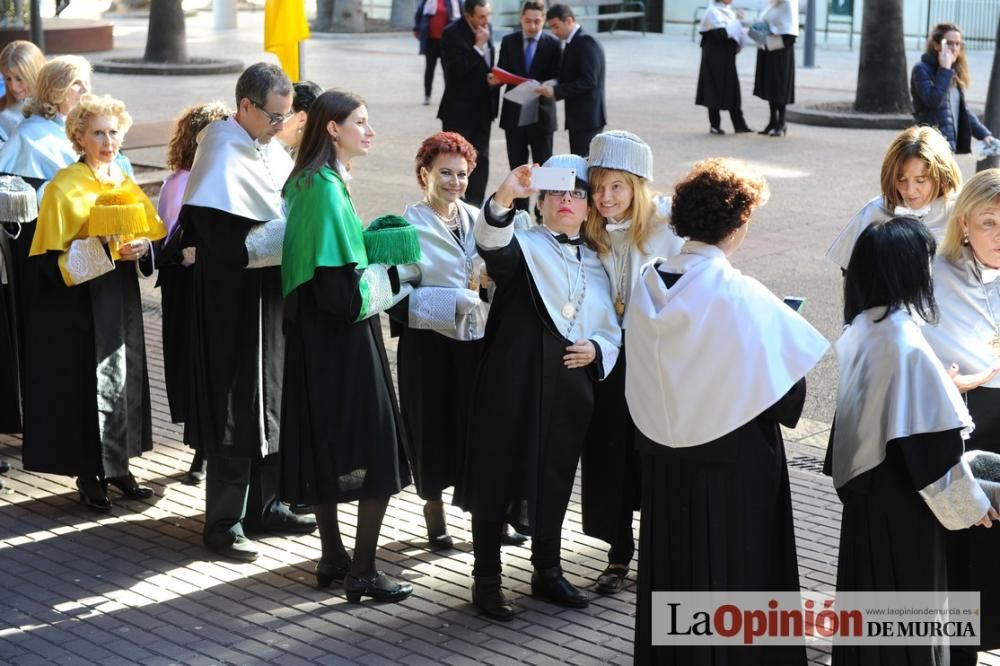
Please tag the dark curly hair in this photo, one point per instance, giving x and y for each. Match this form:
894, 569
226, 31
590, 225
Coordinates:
716, 198
183, 140
443, 142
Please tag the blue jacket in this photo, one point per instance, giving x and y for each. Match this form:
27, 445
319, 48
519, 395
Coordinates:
929, 88
420, 21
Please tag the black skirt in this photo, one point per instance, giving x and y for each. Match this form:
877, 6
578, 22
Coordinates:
775, 76
717, 517
436, 376
10, 361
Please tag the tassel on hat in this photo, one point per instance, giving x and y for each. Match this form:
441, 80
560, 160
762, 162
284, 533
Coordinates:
390, 239
18, 201
622, 151
117, 213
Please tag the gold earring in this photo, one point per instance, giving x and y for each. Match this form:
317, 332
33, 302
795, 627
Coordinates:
965, 238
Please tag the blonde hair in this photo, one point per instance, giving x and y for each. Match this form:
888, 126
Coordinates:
642, 211
22, 59
184, 139
54, 81
95, 106
982, 190
961, 64
928, 145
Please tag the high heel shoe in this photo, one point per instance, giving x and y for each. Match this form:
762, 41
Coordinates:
779, 131
379, 587
437, 528
127, 486
329, 572
92, 494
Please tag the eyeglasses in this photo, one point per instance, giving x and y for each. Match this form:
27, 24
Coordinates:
273, 118
576, 194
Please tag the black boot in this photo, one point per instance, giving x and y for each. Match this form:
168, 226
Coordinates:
489, 598
437, 528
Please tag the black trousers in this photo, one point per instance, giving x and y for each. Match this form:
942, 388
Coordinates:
736, 115
431, 55
520, 140
579, 140
478, 134
238, 489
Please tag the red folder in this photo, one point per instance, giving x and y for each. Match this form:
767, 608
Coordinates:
503, 76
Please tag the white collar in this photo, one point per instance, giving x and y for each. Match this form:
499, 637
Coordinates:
986, 274
918, 213
345, 175
572, 34
614, 225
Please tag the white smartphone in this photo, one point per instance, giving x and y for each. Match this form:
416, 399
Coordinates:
552, 178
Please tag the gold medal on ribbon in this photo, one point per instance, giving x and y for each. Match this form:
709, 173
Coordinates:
619, 306
995, 346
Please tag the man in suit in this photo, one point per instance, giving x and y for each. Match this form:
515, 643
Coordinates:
471, 96
534, 54
581, 80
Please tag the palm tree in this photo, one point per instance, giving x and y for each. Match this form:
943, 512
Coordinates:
882, 74
992, 117
166, 39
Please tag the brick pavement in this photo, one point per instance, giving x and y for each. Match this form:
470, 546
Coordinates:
134, 586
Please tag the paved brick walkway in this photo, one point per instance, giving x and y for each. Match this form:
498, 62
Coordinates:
135, 586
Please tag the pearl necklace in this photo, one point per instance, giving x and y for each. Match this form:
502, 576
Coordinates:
449, 220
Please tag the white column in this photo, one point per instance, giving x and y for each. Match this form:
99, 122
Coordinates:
224, 14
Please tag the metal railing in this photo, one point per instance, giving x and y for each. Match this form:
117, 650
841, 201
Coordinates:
977, 18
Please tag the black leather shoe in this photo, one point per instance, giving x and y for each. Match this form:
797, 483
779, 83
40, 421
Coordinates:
767, 129
611, 579
4, 466
511, 537
198, 470
489, 598
92, 494
328, 572
743, 130
128, 486
380, 587
281, 521
716, 130
241, 549
551, 585
437, 528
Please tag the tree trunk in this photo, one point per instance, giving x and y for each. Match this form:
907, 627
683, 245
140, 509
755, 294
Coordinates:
351, 16
401, 14
992, 117
882, 75
166, 40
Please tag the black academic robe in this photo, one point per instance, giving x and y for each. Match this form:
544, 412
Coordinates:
175, 282
718, 82
237, 348
87, 404
883, 524
611, 480
435, 375
341, 438
732, 491
581, 83
17, 294
10, 358
530, 413
774, 79
972, 553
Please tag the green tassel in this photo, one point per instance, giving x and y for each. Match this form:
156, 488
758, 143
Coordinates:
391, 240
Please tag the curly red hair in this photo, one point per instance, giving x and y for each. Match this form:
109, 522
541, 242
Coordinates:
443, 142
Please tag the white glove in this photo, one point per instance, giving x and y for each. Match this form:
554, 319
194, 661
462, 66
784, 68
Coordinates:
466, 301
188, 256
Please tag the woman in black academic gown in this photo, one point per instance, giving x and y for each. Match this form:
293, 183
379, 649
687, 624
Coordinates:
966, 340
341, 436
718, 82
775, 76
443, 322
716, 363
87, 405
898, 469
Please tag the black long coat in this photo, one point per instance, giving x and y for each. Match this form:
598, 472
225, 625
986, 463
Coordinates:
581, 83
544, 67
468, 99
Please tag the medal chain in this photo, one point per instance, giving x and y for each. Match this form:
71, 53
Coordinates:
571, 309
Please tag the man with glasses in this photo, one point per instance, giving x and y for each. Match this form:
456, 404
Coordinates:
552, 333
232, 216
